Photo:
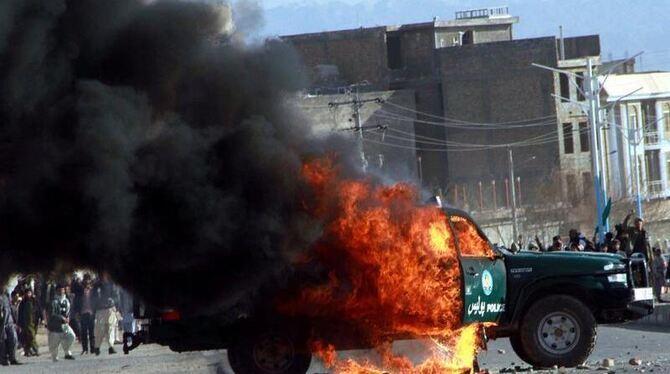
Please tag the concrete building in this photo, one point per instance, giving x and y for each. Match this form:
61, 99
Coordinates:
401, 57
637, 137
474, 89
573, 127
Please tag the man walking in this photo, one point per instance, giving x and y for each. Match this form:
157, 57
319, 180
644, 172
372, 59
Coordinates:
105, 314
7, 332
29, 313
60, 332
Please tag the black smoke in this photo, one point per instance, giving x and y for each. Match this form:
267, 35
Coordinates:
145, 140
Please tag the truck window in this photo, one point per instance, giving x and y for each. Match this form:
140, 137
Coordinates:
470, 241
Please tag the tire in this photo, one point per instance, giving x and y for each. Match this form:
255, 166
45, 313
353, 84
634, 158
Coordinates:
515, 341
556, 330
269, 350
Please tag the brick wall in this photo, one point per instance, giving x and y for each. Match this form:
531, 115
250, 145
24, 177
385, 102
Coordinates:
359, 54
495, 83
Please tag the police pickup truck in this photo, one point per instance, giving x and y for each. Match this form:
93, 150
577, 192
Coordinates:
547, 303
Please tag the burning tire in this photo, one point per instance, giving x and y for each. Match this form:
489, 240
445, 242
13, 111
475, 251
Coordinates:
556, 330
270, 350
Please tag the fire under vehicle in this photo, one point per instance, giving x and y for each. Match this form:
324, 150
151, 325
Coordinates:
547, 303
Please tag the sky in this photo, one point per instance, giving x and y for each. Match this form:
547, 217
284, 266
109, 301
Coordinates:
626, 27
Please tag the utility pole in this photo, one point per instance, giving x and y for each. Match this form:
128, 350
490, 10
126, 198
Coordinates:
592, 95
637, 136
356, 105
515, 223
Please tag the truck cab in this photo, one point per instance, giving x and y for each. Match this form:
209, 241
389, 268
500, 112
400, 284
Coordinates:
550, 303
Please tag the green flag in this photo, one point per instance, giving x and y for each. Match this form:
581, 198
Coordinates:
606, 211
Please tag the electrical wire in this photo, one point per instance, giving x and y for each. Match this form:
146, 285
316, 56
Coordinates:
465, 147
454, 120
393, 116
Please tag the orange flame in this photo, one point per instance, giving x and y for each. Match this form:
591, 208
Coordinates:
393, 272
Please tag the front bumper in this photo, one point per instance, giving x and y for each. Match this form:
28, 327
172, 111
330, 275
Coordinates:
639, 309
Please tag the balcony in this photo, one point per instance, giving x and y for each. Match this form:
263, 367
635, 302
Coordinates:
651, 137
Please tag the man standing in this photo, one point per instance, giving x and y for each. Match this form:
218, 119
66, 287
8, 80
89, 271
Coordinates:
85, 310
658, 268
60, 332
29, 312
7, 332
639, 239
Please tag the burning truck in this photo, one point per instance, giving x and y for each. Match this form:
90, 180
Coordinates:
398, 271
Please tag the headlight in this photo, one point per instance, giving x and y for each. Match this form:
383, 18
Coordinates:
612, 266
617, 278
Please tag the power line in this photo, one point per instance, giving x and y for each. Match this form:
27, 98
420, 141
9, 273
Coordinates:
454, 120
393, 116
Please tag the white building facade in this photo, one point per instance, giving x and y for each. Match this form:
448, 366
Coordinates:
637, 135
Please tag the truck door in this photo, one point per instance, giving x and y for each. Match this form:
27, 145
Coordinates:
484, 278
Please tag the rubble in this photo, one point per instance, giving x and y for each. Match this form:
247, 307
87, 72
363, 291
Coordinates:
608, 362
635, 361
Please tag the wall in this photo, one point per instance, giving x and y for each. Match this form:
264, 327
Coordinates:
444, 36
359, 54
494, 83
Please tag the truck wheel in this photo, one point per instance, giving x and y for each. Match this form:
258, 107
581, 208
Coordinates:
269, 350
515, 340
557, 330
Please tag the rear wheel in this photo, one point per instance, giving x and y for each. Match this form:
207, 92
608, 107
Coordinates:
269, 350
556, 330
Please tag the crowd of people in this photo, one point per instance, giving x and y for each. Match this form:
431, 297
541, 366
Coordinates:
93, 311
627, 240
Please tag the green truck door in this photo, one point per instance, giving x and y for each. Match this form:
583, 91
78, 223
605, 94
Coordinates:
484, 278
484, 289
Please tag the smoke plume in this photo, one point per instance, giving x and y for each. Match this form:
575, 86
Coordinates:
138, 138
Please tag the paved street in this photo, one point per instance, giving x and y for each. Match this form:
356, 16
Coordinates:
621, 344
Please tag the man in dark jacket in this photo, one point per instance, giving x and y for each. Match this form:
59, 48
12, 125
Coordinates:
84, 309
7, 332
639, 239
29, 317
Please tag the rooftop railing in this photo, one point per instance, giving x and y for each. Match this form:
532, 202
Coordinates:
500, 11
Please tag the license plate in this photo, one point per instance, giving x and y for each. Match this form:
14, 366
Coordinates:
645, 293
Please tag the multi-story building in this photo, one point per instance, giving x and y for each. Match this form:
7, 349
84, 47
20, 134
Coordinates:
637, 135
574, 146
475, 92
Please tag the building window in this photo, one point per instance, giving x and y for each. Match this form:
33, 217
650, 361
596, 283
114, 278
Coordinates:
571, 182
653, 170
565, 87
633, 122
584, 137
468, 38
666, 120
580, 85
649, 123
394, 51
568, 144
